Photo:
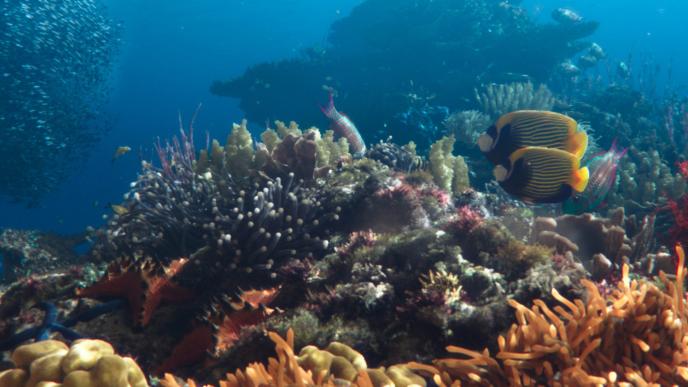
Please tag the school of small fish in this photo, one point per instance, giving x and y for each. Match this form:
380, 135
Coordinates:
56, 63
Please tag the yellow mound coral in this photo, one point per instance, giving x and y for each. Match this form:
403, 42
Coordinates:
86, 363
637, 335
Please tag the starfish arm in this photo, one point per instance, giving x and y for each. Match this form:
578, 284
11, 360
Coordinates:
68, 334
95, 311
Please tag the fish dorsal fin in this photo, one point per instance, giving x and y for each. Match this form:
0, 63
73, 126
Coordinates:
544, 128
577, 144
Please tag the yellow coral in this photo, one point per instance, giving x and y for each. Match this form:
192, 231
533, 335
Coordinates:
449, 172
87, 363
442, 282
239, 151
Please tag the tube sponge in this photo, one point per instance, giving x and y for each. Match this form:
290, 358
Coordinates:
87, 363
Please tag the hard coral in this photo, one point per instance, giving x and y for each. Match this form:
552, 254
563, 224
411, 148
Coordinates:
598, 242
636, 335
449, 172
398, 158
336, 365
87, 363
237, 232
25, 252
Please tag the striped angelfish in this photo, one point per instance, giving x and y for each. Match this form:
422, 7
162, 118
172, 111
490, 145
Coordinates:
542, 175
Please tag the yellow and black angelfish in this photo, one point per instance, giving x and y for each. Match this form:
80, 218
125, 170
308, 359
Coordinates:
542, 175
523, 128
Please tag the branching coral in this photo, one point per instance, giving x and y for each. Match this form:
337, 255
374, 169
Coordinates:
338, 364
498, 99
636, 335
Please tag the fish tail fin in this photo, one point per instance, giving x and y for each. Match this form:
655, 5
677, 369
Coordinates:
578, 144
329, 111
579, 179
618, 154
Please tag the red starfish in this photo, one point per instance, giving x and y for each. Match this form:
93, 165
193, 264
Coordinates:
143, 284
222, 331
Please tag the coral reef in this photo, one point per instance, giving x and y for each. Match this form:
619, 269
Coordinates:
635, 335
645, 181
399, 158
598, 242
338, 364
496, 100
284, 150
378, 260
85, 363
26, 252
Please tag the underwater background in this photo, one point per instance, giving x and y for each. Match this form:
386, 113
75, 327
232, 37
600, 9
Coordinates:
172, 50
343, 193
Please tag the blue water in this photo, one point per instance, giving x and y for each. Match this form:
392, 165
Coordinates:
173, 49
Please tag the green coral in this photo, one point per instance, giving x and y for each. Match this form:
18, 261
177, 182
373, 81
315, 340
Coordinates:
449, 172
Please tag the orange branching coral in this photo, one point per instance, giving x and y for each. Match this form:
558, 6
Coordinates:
281, 371
638, 335
337, 365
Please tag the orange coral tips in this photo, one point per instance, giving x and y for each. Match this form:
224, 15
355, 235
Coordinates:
680, 254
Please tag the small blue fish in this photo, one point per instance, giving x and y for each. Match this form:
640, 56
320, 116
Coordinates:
603, 167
